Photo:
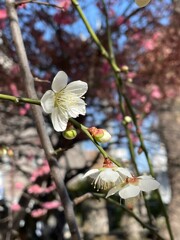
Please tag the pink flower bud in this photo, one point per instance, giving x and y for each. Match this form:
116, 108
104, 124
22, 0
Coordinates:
100, 135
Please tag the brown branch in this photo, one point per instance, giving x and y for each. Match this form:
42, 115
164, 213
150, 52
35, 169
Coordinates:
41, 80
82, 198
38, 2
40, 124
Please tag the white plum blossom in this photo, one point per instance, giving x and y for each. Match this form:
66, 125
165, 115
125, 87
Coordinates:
107, 177
142, 3
64, 101
104, 178
132, 186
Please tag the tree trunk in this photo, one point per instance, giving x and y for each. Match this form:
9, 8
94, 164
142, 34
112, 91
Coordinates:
169, 117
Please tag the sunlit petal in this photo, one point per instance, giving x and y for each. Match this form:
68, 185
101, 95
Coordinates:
148, 185
90, 172
59, 81
109, 175
114, 190
59, 119
78, 108
77, 87
47, 101
129, 191
124, 171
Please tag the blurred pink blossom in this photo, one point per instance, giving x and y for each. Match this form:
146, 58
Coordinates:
14, 89
15, 207
105, 68
149, 44
38, 212
136, 36
27, 106
51, 205
3, 14
155, 93
50, 188
143, 98
147, 107
171, 93
111, 13
134, 138
119, 117
35, 189
131, 74
19, 185
44, 170
15, 69
65, 4
22, 111
119, 20
64, 18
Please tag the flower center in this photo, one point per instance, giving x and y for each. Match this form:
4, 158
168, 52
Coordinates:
64, 99
133, 180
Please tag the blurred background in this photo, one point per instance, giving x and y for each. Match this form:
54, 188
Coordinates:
147, 41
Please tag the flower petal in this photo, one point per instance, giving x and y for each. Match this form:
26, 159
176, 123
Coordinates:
124, 171
114, 190
59, 119
47, 101
78, 108
129, 191
142, 3
90, 172
109, 175
148, 184
59, 81
79, 88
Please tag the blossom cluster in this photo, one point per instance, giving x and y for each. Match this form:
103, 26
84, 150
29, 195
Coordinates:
64, 101
120, 180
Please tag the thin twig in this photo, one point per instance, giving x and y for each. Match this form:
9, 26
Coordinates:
38, 2
82, 198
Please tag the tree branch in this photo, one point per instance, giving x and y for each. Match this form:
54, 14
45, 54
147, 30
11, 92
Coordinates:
38, 2
41, 128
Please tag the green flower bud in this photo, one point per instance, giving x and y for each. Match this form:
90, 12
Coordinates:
70, 134
128, 119
142, 3
130, 80
125, 68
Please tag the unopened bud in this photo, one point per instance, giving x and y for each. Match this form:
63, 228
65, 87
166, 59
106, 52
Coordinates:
10, 152
100, 135
140, 150
70, 134
130, 80
125, 68
142, 3
127, 119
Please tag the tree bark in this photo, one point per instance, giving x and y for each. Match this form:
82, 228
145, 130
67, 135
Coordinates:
169, 116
